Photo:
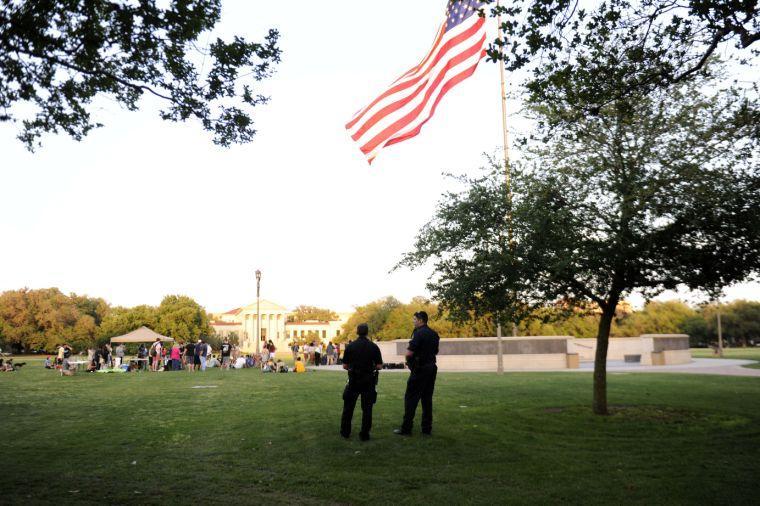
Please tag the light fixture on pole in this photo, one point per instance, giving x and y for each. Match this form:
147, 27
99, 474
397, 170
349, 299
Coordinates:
258, 313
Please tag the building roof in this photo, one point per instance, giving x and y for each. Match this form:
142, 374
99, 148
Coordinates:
224, 323
234, 311
265, 305
141, 335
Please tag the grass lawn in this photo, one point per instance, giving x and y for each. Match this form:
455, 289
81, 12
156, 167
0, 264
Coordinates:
151, 438
738, 353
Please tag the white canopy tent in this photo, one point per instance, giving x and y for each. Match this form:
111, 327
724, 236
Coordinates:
141, 335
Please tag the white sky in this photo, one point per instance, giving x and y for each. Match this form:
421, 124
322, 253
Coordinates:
144, 208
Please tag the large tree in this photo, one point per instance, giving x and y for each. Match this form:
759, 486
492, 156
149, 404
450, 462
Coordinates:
57, 56
656, 191
303, 313
181, 318
42, 319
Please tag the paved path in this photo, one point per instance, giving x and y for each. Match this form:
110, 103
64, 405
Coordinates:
720, 366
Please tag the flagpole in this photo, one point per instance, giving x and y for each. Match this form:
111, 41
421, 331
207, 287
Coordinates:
507, 174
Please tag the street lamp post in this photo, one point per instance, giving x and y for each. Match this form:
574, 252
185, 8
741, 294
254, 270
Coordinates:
258, 313
720, 332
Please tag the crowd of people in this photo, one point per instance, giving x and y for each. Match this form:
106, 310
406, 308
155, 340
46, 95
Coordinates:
316, 353
188, 356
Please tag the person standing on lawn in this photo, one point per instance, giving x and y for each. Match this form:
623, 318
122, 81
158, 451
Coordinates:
119, 353
190, 356
155, 354
420, 357
175, 356
202, 353
362, 360
226, 352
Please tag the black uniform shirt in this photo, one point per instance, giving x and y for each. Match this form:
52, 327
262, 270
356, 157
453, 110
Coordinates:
362, 356
424, 345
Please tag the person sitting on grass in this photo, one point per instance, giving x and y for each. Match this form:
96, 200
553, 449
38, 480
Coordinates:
268, 366
249, 361
48, 363
281, 367
299, 365
212, 362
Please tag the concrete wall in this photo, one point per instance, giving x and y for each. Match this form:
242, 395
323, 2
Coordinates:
675, 348
618, 348
544, 352
480, 353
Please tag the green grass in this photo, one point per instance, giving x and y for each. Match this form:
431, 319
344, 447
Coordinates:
150, 438
737, 353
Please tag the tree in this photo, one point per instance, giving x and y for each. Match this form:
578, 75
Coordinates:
740, 320
303, 313
43, 319
121, 320
659, 43
656, 191
390, 319
181, 318
657, 318
374, 314
696, 327
57, 56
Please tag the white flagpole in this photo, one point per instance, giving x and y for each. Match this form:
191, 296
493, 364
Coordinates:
507, 171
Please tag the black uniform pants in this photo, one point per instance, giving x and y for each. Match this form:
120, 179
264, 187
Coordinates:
350, 395
419, 388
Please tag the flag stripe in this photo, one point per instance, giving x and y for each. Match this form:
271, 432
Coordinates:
400, 112
402, 122
443, 45
449, 85
416, 130
402, 99
412, 128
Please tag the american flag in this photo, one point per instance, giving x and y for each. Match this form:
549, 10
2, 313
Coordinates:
399, 112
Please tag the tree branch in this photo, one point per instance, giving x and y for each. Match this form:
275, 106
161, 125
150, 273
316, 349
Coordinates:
64, 63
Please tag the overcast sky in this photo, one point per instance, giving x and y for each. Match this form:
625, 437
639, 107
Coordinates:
144, 208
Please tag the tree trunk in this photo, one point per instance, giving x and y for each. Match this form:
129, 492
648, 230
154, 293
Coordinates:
600, 360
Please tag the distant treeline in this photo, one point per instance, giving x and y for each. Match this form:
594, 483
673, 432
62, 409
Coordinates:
389, 319
42, 319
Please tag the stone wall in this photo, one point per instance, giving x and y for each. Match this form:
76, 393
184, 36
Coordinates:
544, 352
481, 353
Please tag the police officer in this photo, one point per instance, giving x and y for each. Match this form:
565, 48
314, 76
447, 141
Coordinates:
420, 357
362, 360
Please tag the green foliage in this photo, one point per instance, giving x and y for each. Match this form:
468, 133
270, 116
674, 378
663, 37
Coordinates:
181, 318
303, 313
120, 321
58, 56
654, 192
389, 319
656, 318
696, 327
740, 321
216, 340
613, 49
43, 319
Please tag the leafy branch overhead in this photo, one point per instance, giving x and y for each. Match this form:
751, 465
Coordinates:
57, 56
657, 43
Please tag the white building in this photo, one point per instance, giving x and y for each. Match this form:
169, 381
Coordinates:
274, 326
